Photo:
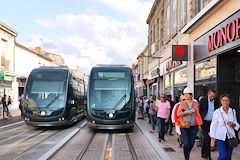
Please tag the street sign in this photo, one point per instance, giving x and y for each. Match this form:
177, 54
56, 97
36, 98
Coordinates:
1, 75
179, 53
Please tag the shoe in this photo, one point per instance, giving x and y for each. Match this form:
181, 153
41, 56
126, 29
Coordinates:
170, 134
152, 131
159, 139
199, 145
209, 158
180, 146
203, 156
163, 139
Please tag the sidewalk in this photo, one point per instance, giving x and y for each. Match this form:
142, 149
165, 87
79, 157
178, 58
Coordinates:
16, 117
171, 142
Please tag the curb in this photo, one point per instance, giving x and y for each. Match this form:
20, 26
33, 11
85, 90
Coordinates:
156, 145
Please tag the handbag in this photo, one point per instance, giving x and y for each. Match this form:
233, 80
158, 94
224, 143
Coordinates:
185, 124
233, 142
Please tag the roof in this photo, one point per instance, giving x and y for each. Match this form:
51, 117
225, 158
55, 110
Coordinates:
52, 68
33, 51
154, 7
111, 65
8, 29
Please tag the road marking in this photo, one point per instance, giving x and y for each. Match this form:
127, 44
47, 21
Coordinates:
11, 124
56, 148
153, 141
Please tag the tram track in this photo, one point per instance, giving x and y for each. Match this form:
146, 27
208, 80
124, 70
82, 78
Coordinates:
17, 135
85, 149
131, 147
35, 145
9, 130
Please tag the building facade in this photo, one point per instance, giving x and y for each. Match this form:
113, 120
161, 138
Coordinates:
27, 59
210, 29
140, 73
7, 63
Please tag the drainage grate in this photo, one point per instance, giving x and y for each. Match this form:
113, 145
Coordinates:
169, 149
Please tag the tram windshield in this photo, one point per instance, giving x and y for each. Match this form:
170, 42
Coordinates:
109, 90
46, 89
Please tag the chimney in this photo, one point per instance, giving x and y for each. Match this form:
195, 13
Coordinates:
38, 49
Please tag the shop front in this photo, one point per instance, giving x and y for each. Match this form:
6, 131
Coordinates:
152, 83
175, 77
217, 60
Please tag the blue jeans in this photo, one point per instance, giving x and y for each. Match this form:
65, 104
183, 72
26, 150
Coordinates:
152, 119
225, 151
188, 136
161, 127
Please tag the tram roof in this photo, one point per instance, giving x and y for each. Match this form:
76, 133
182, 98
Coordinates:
53, 67
111, 65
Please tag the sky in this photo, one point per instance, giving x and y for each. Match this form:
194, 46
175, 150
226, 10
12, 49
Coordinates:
83, 32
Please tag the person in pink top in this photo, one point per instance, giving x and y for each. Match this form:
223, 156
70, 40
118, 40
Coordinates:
163, 113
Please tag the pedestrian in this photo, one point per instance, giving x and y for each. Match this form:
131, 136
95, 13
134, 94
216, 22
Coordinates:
174, 120
145, 103
20, 105
207, 105
190, 121
222, 128
5, 108
176, 99
9, 104
163, 114
152, 113
169, 124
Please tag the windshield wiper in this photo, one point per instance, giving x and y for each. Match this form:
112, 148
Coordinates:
120, 101
49, 104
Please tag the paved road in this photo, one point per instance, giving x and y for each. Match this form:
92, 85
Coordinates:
19, 141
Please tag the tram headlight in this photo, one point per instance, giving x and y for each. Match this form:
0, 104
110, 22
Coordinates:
110, 115
93, 121
127, 122
43, 113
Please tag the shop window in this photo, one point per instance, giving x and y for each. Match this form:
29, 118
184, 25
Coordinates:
180, 77
180, 82
206, 70
205, 77
168, 84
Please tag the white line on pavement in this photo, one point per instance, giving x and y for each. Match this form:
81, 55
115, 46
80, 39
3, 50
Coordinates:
56, 148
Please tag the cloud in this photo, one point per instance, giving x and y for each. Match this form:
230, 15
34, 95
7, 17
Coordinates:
97, 39
133, 8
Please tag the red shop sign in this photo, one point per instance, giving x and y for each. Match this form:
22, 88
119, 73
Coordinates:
224, 35
150, 81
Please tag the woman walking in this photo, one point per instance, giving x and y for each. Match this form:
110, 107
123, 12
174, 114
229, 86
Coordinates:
190, 121
222, 128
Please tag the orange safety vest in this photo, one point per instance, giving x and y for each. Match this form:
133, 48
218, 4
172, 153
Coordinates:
175, 113
198, 117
